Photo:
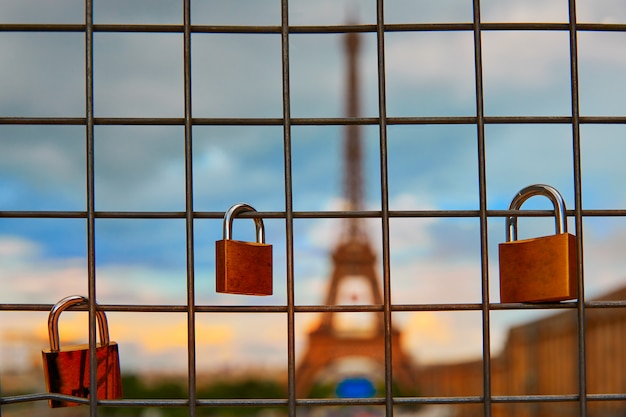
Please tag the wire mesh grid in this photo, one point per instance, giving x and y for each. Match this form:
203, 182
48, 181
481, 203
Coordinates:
486, 400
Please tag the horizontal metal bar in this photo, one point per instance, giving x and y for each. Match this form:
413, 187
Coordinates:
160, 308
556, 398
508, 399
310, 29
12, 120
534, 398
339, 401
42, 27
309, 121
438, 400
601, 27
245, 402
606, 397
43, 214
14, 399
146, 402
491, 306
26, 214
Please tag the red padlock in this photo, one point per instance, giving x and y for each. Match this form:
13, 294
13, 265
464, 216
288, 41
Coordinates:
243, 267
67, 370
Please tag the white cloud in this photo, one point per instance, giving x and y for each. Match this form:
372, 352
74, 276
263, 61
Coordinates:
331, 12
601, 11
138, 11
406, 201
17, 248
45, 75
523, 60
31, 276
213, 161
526, 11
246, 12
598, 48
138, 75
34, 11
236, 75
605, 266
421, 60
37, 280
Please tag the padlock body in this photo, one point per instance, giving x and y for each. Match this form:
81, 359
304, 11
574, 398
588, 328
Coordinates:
243, 267
540, 269
67, 372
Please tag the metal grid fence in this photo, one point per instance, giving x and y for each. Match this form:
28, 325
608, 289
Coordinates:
382, 122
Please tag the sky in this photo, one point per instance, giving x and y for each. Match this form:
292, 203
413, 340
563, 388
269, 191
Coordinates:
430, 167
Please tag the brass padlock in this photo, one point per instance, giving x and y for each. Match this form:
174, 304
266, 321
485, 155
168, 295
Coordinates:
67, 370
539, 269
243, 267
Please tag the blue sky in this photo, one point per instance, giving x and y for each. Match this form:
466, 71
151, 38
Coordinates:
141, 168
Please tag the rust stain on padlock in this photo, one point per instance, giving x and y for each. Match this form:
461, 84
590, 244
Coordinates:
67, 370
542, 269
243, 267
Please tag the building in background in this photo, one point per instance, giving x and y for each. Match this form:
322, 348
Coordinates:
541, 358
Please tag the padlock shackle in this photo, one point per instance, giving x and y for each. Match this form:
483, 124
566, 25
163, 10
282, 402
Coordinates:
230, 215
560, 219
53, 321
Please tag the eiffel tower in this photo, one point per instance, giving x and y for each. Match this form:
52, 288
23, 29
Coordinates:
353, 258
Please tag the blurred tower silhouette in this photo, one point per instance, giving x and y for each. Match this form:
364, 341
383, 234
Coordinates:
353, 259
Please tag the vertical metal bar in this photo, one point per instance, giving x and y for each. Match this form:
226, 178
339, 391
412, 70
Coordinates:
189, 215
291, 355
582, 365
91, 245
382, 114
482, 189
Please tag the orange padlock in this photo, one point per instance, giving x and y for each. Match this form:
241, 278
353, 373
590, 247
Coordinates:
243, 267
541, 269
67, 370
